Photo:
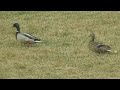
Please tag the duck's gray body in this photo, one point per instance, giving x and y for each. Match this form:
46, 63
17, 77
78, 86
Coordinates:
98, 47
25, 37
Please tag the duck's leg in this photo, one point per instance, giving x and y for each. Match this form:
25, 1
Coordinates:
28, 43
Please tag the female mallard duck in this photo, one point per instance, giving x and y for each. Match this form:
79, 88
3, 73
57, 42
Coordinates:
98, 47
25, 37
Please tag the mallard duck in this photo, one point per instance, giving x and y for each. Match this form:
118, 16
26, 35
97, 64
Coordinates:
25, 38
98, 47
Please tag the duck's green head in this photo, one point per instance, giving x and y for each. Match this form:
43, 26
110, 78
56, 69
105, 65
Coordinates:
17, 27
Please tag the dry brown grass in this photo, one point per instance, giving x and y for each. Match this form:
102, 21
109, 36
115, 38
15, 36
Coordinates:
64, 52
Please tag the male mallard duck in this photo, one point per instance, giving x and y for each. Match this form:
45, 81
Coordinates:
25, 37
98, 47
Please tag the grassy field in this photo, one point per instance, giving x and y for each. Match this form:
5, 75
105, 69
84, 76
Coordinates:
64, 52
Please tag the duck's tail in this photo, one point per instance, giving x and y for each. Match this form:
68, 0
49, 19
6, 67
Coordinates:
37, 40
112, 51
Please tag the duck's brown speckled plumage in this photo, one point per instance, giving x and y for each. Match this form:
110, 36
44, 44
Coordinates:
98, 47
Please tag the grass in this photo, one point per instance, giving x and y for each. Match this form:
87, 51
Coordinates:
64, 52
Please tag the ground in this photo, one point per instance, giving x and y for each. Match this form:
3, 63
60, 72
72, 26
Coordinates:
64, 52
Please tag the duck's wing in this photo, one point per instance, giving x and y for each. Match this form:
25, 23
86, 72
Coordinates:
103, 47
31, 36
